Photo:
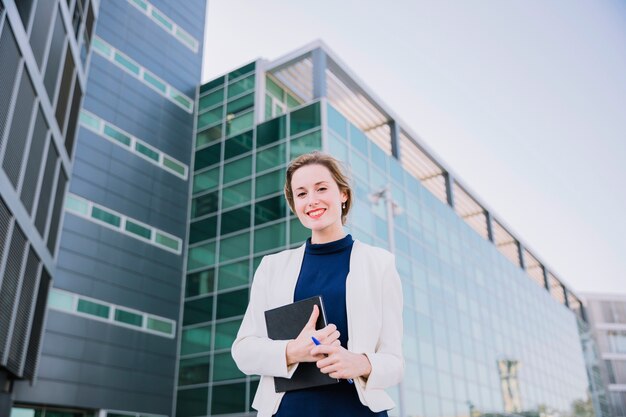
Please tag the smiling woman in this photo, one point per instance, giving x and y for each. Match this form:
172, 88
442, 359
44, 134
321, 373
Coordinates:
362, 297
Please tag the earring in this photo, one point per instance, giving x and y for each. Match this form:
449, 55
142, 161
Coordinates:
343, 206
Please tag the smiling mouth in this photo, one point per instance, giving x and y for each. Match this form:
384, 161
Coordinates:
316, 213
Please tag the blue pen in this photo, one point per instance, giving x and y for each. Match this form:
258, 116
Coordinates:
317, 343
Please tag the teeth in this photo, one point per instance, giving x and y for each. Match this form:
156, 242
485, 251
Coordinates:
316, 212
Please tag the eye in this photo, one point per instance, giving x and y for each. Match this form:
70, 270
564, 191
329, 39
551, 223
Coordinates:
321, 189
300, 195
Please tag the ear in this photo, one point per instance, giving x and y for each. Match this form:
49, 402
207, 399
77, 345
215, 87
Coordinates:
344, 196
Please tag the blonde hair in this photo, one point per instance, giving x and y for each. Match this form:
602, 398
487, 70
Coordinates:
335, 168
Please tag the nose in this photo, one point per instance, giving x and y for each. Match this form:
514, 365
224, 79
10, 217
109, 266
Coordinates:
313, 201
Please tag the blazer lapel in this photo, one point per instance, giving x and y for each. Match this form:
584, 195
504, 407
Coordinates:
290, 276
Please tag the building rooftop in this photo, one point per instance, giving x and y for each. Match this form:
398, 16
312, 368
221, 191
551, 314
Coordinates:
315, 71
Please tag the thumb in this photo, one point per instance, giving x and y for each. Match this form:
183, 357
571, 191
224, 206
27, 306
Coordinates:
313, 318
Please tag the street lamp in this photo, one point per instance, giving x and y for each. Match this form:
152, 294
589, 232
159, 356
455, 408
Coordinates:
392, 209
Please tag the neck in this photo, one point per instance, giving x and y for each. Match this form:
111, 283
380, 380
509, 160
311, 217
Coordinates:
325, 236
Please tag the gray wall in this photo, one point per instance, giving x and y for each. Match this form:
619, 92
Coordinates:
98, 365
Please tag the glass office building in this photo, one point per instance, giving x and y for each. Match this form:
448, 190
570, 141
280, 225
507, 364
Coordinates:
110, 341
607, 318
489, 329
43, 47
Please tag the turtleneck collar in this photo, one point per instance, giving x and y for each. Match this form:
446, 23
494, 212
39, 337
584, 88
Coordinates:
329, 247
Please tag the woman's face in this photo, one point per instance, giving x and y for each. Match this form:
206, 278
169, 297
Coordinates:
317, 201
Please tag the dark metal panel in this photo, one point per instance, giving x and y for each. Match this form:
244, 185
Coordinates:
8, 73
20, 128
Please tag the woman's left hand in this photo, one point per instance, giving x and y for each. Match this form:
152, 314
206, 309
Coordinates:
341, 363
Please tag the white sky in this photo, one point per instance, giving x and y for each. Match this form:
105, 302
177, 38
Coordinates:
525, 101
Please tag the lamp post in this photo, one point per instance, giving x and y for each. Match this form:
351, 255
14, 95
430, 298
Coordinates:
392, 209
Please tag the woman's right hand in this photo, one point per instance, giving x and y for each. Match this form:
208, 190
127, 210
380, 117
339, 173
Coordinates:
299, 349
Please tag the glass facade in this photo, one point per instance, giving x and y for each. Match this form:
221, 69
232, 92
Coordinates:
607, 318
480, 336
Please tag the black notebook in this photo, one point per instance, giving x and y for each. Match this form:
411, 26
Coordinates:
285, 323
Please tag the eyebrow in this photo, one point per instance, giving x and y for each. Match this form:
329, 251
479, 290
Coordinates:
316, 184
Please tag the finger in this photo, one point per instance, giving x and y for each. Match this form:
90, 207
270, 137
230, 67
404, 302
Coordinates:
336, 343
313, 318
323, 333
331, 338
324, 350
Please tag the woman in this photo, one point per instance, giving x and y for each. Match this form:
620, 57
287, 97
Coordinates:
362, 301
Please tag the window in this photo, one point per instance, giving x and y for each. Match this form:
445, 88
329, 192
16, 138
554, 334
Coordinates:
155, 82
138, 229
175, 166
93, 308
204, 204
238, 169
105, 216
240, 123
211, 99
198, 311
240, 104
268, 210
269, 238
305, 119
241, 86
236, 194
224, 367
192, 402
210, 117
297, 232
196, 340
207, 157
193, 371
270, 183
233, 275
337, 122
238, 145
117, 135
60, 300
201, 256
271, 157
232, 303
203, 230
144, 150
126, 63
209, 135
235, 220
230, 398
160, 325
225, 334
199, 283
234, 247
168, 241
307, 143
162, 19
127, 317
271, 131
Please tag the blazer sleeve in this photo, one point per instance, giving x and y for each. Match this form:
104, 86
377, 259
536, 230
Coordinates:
253, 352
387, 361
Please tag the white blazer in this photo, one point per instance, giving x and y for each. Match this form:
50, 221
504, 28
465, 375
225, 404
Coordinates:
374, 310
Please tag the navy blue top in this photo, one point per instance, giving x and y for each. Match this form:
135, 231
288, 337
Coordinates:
324, 271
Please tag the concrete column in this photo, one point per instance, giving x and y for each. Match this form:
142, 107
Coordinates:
489, 221
319, 73
449, 186
395, 138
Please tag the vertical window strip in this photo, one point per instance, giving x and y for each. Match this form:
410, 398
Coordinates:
166, 24
88, 307
132, 144
111, 219
146, 77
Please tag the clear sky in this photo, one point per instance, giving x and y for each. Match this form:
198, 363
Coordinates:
525, 101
